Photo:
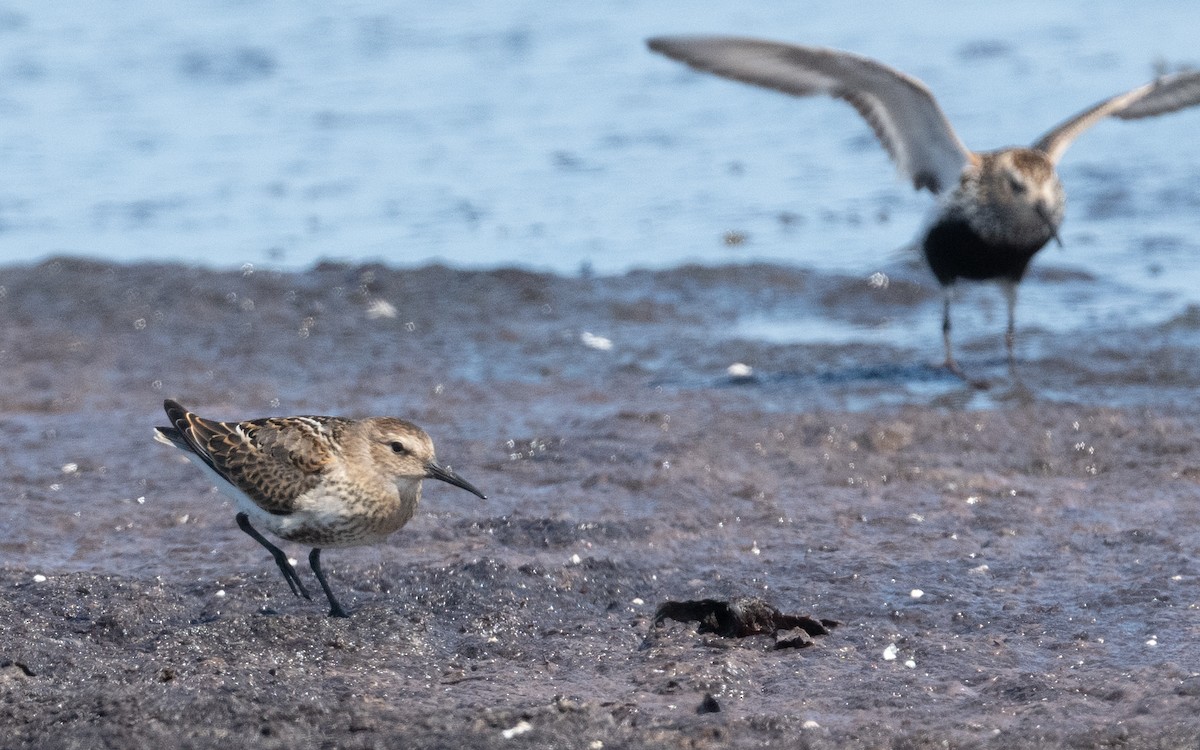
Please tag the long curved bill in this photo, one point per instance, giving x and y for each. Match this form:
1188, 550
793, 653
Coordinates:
434, 470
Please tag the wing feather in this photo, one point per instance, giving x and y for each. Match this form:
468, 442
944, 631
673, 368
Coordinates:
273, 461
900, 109
1167, 94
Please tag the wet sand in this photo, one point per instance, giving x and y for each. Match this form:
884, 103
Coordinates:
1051, 531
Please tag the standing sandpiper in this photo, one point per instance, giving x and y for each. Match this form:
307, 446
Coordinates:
318, 481
996, 208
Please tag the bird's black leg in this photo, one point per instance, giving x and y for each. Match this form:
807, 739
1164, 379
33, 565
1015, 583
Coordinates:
314, 562
1010, 335
285, 567
950, 364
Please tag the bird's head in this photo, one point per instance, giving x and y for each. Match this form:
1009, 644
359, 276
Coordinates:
405, 452
1024, 184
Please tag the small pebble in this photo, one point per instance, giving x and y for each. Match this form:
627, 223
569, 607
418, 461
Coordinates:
39, 578
592, 341
889, 653
733, 238
379, 308
521, 728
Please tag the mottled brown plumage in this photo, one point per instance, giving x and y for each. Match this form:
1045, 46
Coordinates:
274, 461
997, 209
319, 481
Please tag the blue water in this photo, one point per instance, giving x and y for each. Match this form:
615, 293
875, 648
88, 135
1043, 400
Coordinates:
545, 135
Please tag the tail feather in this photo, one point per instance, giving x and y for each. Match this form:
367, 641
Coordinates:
175, 412
181, 434
176, 434
171, 436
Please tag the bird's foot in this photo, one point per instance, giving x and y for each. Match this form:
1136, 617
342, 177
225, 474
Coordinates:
335, 610
952, 367
314, 562
1017, 393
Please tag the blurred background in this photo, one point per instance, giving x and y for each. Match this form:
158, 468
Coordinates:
546, 136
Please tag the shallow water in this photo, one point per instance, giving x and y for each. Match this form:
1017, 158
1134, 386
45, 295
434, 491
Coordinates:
548, 137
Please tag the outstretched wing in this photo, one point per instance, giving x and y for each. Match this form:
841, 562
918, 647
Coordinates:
273, 461
1167, 94
900, 109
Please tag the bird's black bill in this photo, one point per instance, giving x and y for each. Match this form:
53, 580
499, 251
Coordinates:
1050, 225
436, 471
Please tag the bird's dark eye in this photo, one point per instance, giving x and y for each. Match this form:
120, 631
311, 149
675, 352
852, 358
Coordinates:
1017, 186
398, 448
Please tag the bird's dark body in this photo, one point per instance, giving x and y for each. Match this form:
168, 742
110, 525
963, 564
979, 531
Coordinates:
956, 251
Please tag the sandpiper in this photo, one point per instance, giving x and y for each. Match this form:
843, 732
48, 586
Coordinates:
319, 481
996, 209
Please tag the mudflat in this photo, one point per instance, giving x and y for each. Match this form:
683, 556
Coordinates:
1012, 568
